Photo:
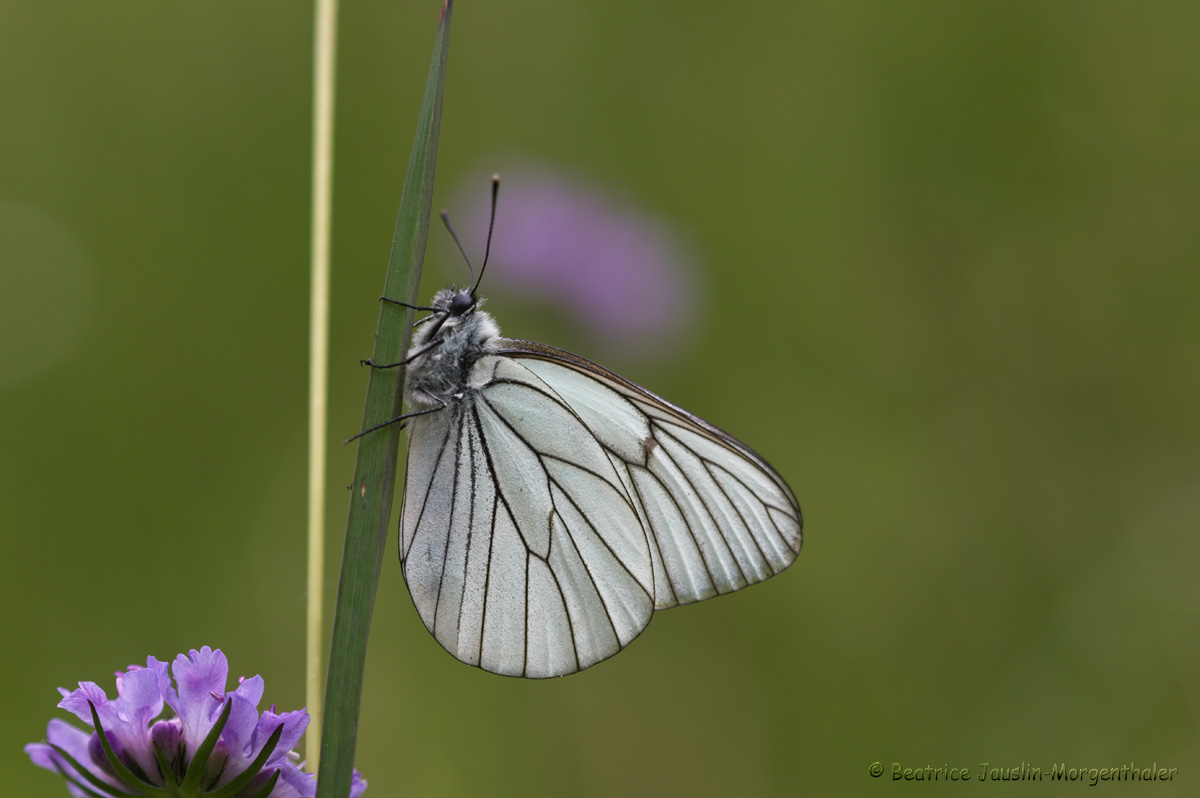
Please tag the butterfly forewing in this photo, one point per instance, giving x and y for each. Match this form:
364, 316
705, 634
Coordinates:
718, 517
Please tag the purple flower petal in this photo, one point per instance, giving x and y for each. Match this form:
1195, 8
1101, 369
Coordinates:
300, 783
161, 670
139, 695
125, 721
200, 695
168, 737
239, 731
76, 702
250, 689
74, 742
67, 737
294, 726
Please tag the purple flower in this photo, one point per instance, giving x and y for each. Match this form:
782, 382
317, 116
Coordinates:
212, 742
620, 272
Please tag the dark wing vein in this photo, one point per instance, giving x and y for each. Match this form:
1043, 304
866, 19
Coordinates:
566, 607
654, 538
704, 503
525, 648
470, 431
733, 504
558, 400
591, 577
592, 525
711, 466
533, 449
429, 487
496, 499
704, 557
453, 503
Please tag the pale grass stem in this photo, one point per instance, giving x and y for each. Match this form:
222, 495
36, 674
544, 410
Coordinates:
324, 50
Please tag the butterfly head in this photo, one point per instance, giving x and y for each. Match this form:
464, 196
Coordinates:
456, 314
461, 303
453, 304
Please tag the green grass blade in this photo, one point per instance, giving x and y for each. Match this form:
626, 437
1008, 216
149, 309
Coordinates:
375, 469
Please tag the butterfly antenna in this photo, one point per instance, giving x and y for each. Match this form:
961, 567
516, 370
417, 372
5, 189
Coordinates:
454, 235
491, 226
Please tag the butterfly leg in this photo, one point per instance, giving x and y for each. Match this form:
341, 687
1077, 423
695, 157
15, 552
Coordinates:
405, 304
418, 322
403, 417
411, 357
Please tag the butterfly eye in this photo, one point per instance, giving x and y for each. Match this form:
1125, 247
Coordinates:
461, 303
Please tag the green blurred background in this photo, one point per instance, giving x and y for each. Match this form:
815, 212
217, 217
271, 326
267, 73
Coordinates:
950, 259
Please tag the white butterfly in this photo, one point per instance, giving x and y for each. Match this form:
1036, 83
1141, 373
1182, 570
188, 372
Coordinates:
551, 506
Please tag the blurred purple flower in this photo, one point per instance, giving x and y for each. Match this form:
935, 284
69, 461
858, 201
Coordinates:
618, 270
213, 742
